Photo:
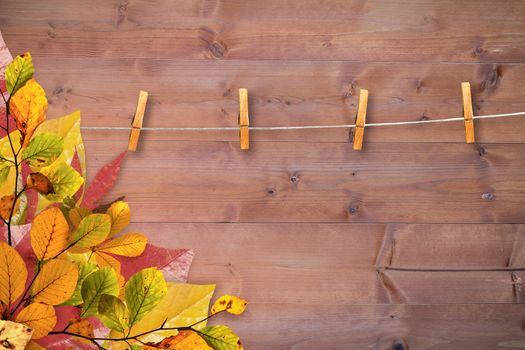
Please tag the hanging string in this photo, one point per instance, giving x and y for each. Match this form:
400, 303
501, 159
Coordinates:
271, 128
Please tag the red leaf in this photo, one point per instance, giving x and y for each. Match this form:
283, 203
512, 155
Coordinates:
103, 181
174, 263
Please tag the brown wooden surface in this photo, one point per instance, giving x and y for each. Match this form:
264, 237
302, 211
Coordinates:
416, 242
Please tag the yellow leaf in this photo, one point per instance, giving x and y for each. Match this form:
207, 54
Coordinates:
130, 244
183, 305
81, 326
40, 317
68, 128
56, 282
77, 214
120, 216
105, 260
49, 233
14, 335
13, 274
230, 303
184, 340
28, 106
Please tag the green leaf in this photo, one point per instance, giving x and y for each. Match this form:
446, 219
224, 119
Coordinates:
84, 270
66, 180
18, 72
43, 149
113, 313
103, 281
92, 230
4, 172
144, 290
136, 347
220, 338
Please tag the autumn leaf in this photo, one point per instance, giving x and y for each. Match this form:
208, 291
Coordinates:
40, 183
105, 260
14, 335
13, 274
6, 205
184, 340
113, 313
221, 338
183, 305
65, 180
40, 317
230, 303
55, 283
120, 216
43, 149
130, 244
103, 281
81, 326
18, 72
77, 214
5, 168
84, 270
49, 234
92, 230
103, 182
28, 106
144, 290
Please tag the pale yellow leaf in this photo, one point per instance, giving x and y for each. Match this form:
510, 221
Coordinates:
56, 282
28, 106
120, 216
14, 335
49, 234
13, 274
130, 244
40, 317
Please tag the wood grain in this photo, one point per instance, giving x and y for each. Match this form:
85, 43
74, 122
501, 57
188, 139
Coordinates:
203, 94
480, 31
417, 242
323, 182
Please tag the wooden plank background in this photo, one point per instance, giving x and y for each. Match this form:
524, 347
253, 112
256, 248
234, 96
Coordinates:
417, 242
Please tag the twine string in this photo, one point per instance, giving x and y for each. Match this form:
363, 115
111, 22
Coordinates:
300, 127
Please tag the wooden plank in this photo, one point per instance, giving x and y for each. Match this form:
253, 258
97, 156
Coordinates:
202, 94
383, 327
327, 182
482, 31
329, 264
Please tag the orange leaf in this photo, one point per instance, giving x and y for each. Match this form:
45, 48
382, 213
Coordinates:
56, 282
41, 318
13, 274
185, 340
81, 326
130, 244
6, 204
28, 106
105, 260
49, 234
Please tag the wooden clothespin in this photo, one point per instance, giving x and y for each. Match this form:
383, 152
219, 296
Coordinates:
244, 120
136, 124
468, 114
360, 119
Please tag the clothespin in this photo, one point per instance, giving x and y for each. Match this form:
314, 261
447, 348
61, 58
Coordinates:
468, 114
136, 124
244, 120
360, 119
